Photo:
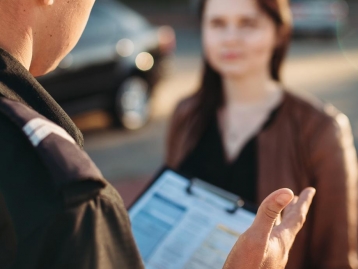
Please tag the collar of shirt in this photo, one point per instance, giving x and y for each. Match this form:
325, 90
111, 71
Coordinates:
16, 83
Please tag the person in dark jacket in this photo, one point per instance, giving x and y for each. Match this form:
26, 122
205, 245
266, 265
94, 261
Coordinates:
56, 209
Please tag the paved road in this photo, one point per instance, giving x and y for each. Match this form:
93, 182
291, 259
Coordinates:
326, 68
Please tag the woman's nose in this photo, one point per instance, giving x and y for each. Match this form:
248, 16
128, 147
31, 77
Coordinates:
232, 35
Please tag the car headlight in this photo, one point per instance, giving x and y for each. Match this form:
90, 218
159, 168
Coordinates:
144, 61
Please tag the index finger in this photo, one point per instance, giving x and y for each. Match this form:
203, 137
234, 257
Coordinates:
296, 215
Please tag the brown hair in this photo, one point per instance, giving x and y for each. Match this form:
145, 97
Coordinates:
193, 114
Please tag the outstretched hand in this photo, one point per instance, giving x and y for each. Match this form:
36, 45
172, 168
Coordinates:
264, 245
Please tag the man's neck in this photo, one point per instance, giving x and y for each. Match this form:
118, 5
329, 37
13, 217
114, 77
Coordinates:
16, 39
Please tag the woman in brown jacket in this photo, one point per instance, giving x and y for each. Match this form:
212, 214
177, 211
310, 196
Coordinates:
243, 132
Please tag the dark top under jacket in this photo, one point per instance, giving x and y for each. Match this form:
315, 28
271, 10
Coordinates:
208, 162
39, 228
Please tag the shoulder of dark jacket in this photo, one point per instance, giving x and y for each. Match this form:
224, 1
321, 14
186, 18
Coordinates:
14, 141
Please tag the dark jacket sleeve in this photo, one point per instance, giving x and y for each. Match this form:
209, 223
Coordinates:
95, 234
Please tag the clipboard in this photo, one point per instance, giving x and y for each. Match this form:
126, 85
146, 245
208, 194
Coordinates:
183, 223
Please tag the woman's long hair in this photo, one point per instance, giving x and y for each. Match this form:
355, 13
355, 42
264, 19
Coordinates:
193, 115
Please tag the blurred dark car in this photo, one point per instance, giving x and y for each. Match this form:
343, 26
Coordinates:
114, 66
319, 17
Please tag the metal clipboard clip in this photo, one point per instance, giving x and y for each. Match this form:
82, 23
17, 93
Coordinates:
239, 204
236, 200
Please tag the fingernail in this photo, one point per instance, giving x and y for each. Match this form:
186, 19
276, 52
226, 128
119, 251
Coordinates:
284, 199
313, 190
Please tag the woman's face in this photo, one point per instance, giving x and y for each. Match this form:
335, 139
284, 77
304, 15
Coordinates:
238, 37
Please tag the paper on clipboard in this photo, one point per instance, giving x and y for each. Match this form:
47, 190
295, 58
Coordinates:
180, 229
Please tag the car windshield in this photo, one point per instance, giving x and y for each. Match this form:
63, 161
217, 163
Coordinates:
299, 1
126, 18
110, 21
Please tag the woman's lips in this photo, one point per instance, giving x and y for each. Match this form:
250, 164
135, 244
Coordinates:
230, 56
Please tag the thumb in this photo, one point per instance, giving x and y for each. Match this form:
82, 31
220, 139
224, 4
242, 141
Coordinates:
270, 210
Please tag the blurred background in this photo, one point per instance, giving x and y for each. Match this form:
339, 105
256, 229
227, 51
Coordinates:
138, 59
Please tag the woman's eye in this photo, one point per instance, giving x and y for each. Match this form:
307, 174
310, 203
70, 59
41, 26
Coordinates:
217, 24
249, 24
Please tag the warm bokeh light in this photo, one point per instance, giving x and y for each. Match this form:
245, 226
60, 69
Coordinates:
144, 61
